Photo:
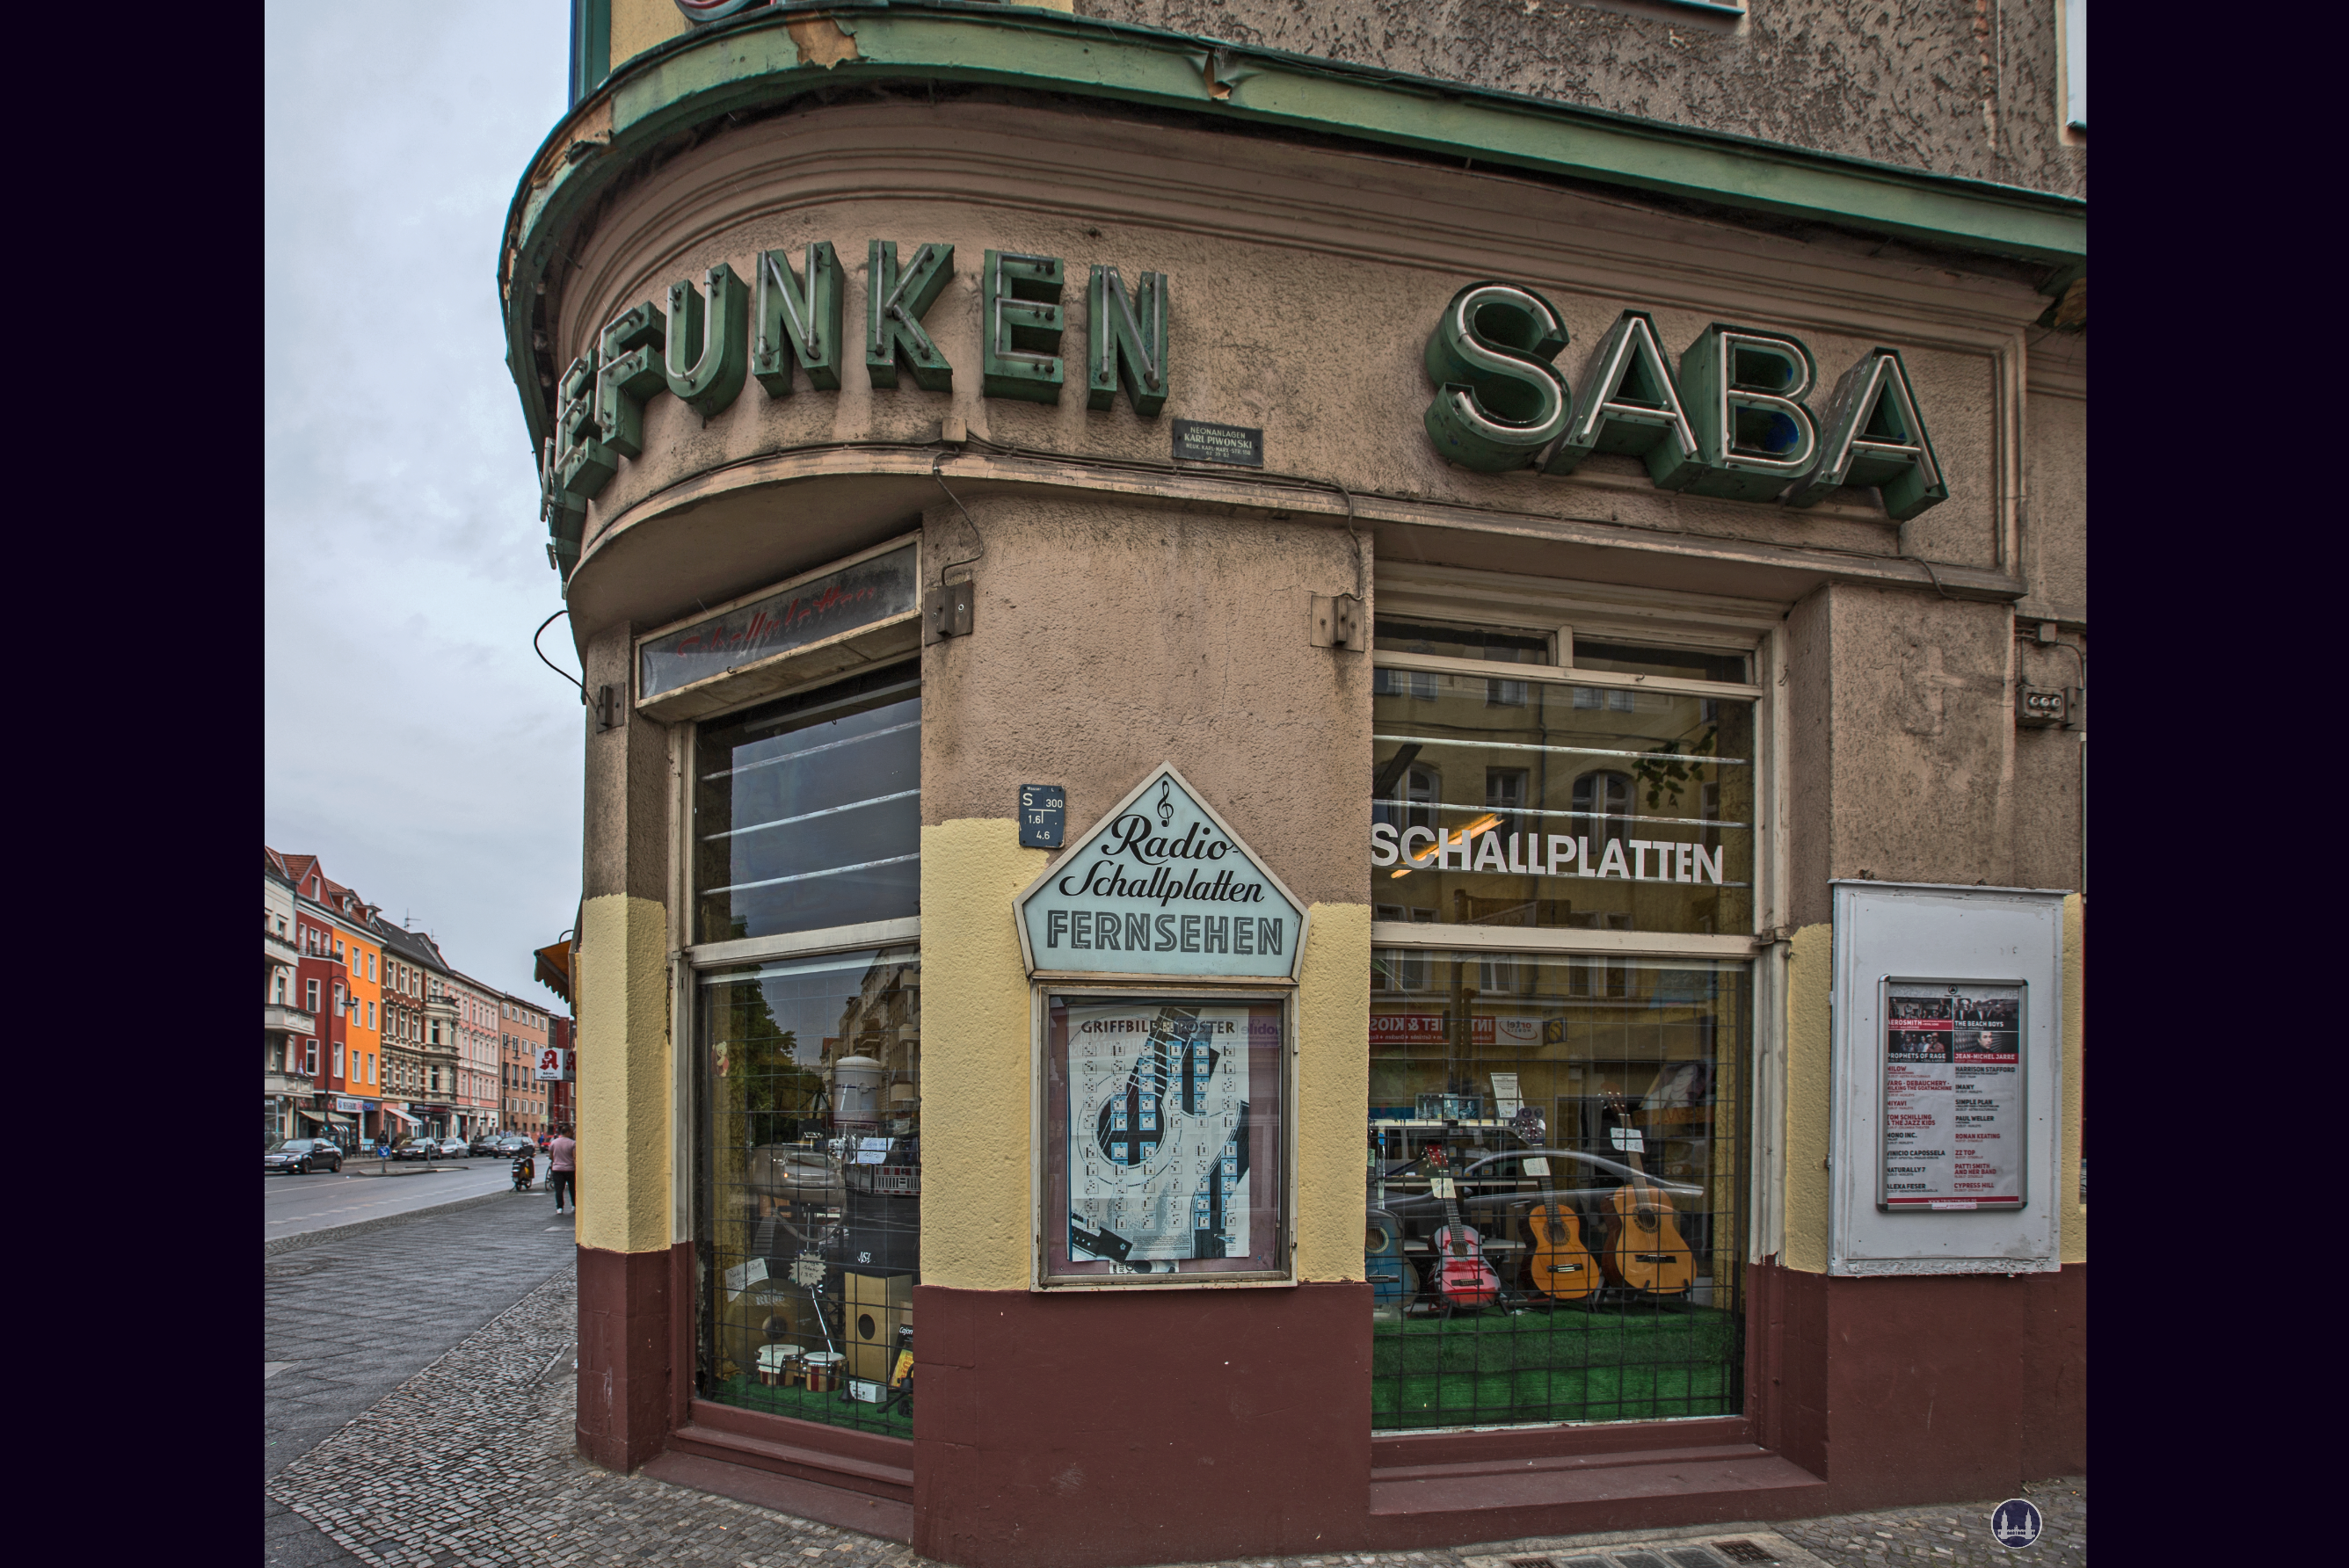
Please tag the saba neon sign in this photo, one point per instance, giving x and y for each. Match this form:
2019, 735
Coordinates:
1731, 421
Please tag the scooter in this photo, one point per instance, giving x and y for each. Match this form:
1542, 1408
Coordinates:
524, 1168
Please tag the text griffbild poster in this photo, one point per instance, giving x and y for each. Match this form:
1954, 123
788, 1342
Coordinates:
1952, 1125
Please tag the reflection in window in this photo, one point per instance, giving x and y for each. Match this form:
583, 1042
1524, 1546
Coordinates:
1553, 1110
1629, 811
808, 1185
807, 813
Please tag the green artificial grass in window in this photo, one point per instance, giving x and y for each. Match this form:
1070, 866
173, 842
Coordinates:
1641, 1364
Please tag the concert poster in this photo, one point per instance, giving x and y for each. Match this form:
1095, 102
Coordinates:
1953, 1124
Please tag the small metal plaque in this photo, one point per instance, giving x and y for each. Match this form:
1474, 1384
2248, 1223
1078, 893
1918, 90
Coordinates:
1043, 816
1204, 441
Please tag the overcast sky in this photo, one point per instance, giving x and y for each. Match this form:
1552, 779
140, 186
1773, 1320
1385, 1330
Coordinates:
413, 742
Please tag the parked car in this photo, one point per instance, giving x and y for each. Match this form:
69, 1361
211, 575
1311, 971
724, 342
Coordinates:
454, 1149
486, 1143
416, 1148
513, 1143
300, 1156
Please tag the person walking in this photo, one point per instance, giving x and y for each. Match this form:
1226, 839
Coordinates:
562, 1168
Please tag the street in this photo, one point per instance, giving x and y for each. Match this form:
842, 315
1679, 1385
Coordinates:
292, 1205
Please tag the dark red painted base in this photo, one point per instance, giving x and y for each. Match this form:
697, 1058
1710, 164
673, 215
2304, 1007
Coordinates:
1921, 1388
1104, 1430
628, 1394
1099, 1428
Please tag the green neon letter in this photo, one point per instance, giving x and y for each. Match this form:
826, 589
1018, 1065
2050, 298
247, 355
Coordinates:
580, 463
1126, 335
1498, 399
714, 337
1628, 403
630, 349
1875, 436
894, 305
1743, 394
808, 316
1021, 297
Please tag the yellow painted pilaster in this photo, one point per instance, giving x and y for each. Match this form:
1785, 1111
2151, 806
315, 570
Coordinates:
1334, 1086
640, 24
1810, 1096
623, 1075
976, 1036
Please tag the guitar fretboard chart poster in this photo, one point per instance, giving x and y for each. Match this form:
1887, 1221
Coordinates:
1159, 1112
1953, 1122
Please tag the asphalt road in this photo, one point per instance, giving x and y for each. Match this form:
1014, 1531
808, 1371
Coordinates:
293, 1205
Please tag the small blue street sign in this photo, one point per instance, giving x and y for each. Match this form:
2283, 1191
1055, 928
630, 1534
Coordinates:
1043, 816
2017, 1523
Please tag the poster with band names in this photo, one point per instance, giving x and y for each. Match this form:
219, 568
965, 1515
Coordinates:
1952, 1122
1157, 1158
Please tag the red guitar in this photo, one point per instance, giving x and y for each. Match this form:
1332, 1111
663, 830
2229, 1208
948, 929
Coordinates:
1462, 1277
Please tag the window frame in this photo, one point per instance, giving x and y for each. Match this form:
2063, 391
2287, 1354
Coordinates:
1660, 618
1039, 995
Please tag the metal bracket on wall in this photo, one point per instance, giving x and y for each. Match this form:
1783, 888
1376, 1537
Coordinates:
951, 609
609, 710
1339, 622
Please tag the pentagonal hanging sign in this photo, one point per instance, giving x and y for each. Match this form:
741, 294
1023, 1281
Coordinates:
1161, 885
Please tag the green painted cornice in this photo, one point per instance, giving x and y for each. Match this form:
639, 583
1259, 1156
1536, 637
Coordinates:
754, 61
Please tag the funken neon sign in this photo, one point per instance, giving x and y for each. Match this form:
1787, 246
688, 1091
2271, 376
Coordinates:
1732, 421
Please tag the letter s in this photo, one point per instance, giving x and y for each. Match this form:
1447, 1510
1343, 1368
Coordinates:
1498, 399
1166, 934
1382, 843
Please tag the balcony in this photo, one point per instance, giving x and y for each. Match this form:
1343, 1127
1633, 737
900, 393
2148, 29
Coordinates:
283, 1083
279, 1018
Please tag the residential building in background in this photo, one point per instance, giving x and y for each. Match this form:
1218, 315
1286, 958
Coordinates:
524, 1031
372, 1032
285, 1080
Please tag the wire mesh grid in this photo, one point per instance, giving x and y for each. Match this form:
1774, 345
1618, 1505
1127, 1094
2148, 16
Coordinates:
1555, 1189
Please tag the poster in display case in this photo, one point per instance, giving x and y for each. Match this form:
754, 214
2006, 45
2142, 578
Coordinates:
1163, 1140
1952, 1125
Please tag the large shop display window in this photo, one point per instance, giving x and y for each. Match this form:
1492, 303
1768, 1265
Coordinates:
1554, 1139
808, 1174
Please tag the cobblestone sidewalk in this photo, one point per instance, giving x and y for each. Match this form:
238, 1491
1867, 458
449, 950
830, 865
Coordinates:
471, 1463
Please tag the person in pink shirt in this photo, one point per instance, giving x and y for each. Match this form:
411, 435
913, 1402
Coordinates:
562, 1157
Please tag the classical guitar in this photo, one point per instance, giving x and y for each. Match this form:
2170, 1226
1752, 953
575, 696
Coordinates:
1561, 1263
1645, 1251
1462, 1277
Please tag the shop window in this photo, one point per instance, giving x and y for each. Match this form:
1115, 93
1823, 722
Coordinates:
808, 1185
1556, 1212
1585, 807
807, 813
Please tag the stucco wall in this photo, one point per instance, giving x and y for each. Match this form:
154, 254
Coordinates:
1959, 87
1303, 290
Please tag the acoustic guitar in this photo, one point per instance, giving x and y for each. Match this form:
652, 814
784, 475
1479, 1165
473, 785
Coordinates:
1462, 1277
1645, 1251
1561, 1263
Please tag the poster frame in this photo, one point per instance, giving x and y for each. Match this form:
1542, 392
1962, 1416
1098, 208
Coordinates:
1884, 985
1044, 1157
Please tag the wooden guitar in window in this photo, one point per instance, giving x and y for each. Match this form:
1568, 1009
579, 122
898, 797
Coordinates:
1561, 1263
1645, 1251
1462, 1277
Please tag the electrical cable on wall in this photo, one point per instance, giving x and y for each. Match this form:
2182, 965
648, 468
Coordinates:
550, 664
966, 517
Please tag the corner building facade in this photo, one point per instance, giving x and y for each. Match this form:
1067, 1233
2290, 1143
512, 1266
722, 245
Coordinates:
1245, 709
